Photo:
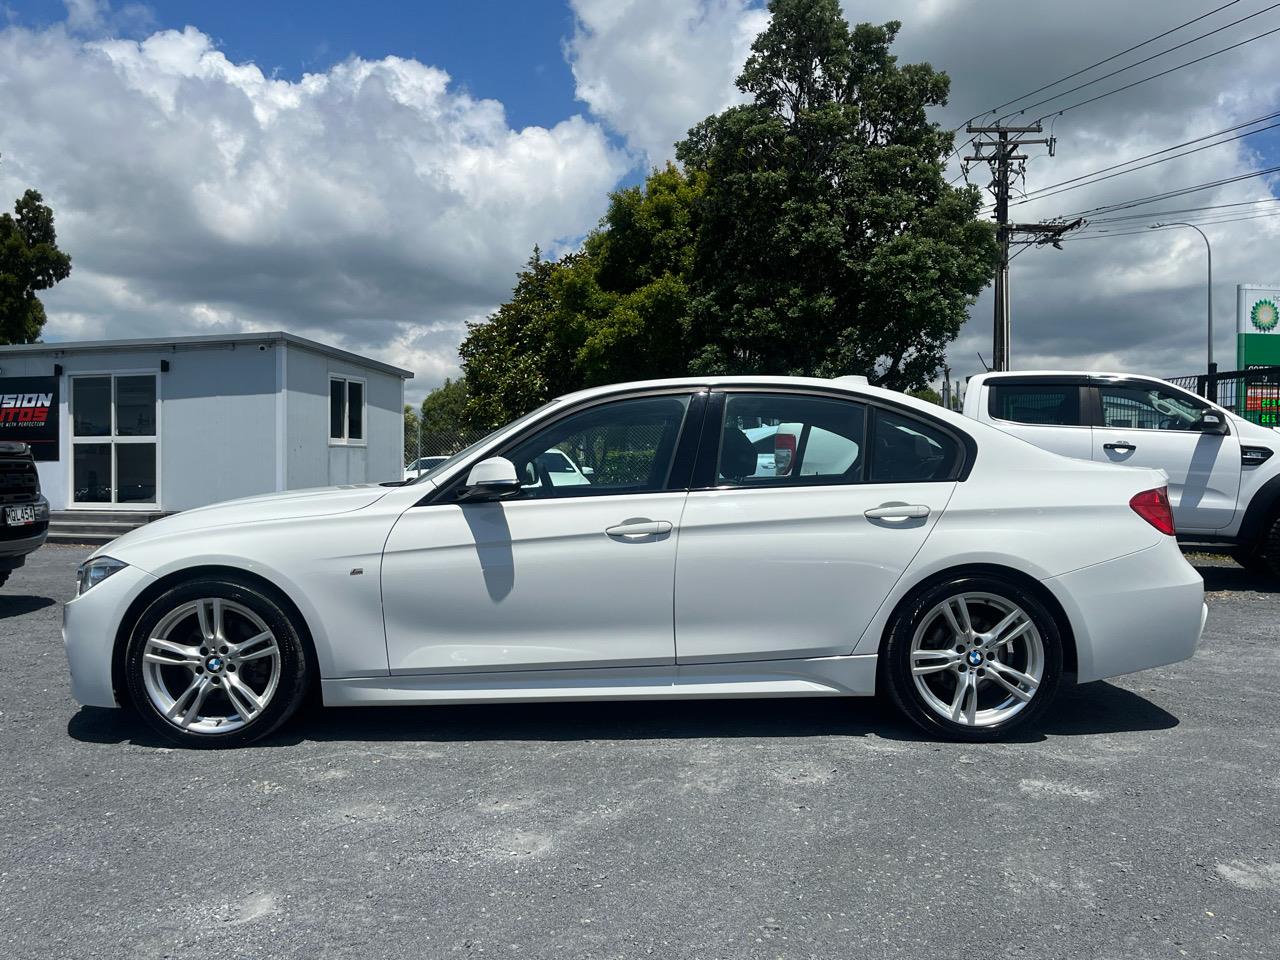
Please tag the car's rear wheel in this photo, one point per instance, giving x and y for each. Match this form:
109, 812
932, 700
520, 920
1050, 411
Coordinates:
215, 663
973, 658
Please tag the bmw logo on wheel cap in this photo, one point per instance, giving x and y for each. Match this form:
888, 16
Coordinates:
975, 658
214, 664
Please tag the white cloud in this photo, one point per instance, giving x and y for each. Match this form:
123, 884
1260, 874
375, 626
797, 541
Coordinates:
372, 205
1131, 302
651, 69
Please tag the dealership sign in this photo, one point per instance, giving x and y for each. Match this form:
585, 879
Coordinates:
29, 413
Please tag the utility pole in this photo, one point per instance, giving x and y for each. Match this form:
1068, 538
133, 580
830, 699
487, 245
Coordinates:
998, 146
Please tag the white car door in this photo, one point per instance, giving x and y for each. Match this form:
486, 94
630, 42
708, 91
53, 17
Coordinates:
796, 564
1144, 423
559, 576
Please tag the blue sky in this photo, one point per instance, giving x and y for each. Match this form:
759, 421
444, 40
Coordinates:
506, 50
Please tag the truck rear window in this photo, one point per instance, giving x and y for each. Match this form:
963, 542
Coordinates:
1055, 404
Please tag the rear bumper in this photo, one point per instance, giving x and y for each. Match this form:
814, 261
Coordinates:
1137, 612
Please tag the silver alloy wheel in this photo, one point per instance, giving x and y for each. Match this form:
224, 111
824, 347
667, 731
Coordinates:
977, 659
211, 666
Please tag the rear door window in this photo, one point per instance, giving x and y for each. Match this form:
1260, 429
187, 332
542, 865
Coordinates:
908, 450
1049, 404
778, 439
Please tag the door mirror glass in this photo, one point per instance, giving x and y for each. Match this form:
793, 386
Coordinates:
1212, 423
491, 479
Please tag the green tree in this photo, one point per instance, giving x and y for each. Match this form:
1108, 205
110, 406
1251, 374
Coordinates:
444, 409
517, 358
926, 393
829, 241
616, 310
30, 261
411, 429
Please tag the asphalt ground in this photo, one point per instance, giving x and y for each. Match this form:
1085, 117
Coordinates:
1141, 820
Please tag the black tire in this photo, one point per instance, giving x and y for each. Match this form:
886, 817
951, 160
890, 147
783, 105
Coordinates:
292, 679
895, 659
1253, 561
1270, 550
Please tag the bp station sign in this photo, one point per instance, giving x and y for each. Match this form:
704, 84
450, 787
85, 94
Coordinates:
29, 413
1258, 345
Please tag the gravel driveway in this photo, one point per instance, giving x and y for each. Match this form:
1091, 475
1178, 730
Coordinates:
1142, 820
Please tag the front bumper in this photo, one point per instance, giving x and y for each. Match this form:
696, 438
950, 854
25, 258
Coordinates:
89, 626
1133, 613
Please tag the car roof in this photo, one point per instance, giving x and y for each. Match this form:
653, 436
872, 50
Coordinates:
1100, 374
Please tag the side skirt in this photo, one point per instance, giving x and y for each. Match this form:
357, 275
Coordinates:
851, 676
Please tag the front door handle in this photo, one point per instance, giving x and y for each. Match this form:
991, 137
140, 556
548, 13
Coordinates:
1119, 445
897, 511
638, 528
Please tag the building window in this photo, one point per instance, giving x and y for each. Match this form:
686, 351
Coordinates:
346, 410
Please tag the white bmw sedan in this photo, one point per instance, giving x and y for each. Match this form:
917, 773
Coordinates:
964, 573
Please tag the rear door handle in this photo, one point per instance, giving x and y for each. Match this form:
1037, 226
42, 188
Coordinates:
897, 511
638, 529
1119, 445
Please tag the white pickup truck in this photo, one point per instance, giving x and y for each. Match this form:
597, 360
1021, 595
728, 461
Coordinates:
1224, 477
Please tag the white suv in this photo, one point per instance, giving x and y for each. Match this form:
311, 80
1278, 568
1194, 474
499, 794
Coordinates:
1224, 477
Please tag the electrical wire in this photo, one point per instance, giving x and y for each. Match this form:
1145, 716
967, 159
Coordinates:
1171, 194
1156, 76
1074, 182
1138, 63
1100, 63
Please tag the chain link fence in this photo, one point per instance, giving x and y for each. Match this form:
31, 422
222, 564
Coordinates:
429, 443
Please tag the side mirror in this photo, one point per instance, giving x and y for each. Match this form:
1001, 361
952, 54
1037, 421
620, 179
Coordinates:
491, 479
1212, 423
588, 471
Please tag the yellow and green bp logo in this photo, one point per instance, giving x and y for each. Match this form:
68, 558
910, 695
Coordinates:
1264, 315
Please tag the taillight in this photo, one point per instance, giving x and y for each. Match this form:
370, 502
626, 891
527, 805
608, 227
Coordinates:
1153, 507
784, 452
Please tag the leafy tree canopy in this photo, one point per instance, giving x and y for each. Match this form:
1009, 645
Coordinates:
808, 231
444, 409
829, 241
30, 261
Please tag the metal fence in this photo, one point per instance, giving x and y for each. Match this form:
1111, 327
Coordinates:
1253, 394
428, 443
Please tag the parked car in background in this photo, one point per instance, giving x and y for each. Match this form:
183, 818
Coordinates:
422, 465
902, 549
24, 512
1224, 477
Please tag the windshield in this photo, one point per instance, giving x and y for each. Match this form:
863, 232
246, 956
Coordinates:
467, 451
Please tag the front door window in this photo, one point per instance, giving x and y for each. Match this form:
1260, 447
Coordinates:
113, 421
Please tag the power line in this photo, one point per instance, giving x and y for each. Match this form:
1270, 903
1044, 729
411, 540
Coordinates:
1171, 194
1083, 70
1168, 213
1156, 76
1049, 191
1146, 230
1138, 63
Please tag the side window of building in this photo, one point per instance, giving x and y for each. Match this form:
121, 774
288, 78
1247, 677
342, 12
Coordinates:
1056, 404
910, 450
346, 410
622, 447
1145, 406
776, 439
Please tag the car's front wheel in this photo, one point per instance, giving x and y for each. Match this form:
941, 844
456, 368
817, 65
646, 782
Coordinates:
973, 658
215, 663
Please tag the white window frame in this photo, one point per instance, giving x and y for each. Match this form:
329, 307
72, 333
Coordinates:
344, 440
112, 439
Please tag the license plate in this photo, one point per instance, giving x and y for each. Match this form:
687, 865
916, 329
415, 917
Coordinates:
19, 516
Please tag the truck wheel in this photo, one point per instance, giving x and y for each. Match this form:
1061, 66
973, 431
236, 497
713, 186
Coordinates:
1270, 548
1252, 560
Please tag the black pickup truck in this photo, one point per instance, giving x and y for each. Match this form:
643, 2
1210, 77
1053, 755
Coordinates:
24, 513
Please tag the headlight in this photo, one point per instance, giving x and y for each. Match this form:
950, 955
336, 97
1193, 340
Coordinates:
93, 572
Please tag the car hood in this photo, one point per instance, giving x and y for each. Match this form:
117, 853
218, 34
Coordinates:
289, 505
